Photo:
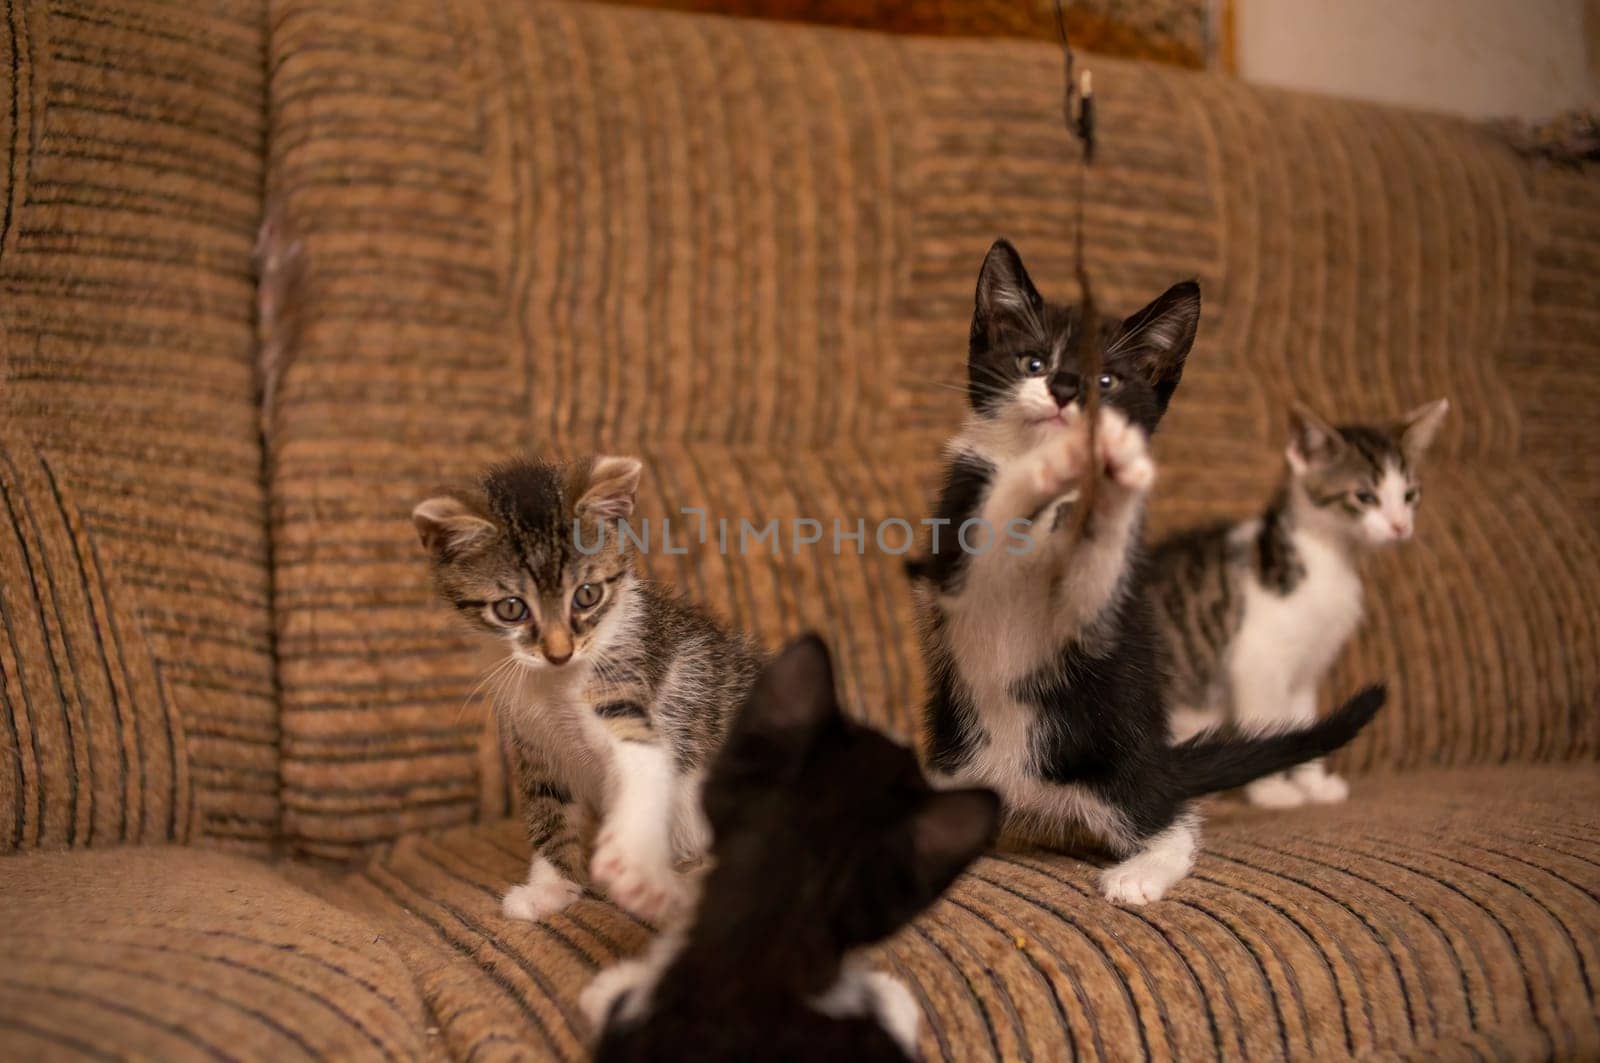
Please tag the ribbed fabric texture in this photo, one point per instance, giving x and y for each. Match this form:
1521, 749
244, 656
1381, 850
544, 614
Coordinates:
164, 953
136, 675
745, 252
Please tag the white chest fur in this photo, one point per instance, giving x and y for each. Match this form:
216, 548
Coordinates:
997, 641
553, 718
1298, 635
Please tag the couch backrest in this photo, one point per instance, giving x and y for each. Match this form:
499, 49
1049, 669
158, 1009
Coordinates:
747, 252
137, 698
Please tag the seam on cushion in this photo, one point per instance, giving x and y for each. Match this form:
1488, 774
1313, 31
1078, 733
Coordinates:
270, 267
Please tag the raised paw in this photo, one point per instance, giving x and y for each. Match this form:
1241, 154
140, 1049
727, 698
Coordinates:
1059, 463
1123, 452
648, 888
545, 893
1275, 791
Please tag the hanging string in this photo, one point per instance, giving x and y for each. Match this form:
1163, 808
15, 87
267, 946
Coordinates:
1078, 115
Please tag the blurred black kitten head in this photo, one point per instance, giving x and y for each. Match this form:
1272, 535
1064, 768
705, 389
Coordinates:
1022, 368
826, 838
827, 819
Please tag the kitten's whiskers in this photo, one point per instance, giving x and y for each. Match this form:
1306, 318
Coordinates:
488, 677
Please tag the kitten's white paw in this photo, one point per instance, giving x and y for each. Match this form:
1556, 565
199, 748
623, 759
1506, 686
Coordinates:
546, 892
1322, 788
1059, 463
1123, 452
896, 1009
1149, 873
1275, 791
638, 880
610, 985
1133, 882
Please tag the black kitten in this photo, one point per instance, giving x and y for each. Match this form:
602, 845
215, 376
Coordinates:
826, 838
1045, 664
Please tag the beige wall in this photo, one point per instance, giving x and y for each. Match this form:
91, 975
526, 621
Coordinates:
1529, 58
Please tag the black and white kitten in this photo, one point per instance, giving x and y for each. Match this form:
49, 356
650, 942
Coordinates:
827, 838
1045, 663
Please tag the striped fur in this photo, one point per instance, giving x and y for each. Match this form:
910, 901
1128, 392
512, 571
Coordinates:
1255, 613
613, 693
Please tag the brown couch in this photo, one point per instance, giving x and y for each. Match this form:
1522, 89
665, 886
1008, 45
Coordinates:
247, 807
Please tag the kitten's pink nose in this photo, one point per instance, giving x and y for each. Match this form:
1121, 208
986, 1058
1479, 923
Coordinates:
556, 645
1401, 528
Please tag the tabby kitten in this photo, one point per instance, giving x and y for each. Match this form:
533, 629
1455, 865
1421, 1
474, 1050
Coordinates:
1256, 612
1045, 664
827, 838
619, 690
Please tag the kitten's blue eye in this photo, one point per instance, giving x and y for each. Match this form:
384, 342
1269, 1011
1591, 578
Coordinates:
1109, 381
1031, 364
586, 596
1412, 494
510, 610
1366, 498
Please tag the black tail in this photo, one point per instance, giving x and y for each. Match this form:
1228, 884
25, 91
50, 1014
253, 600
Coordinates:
1205, 764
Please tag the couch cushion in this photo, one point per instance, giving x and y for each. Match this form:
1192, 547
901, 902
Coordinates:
748, 250
136, 676
1435, 914
168, 953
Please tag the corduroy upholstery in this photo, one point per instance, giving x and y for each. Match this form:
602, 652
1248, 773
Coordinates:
746, 252
181, 953
136, 672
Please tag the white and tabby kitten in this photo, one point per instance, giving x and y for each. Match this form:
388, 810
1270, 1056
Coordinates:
1256, 612
620, 690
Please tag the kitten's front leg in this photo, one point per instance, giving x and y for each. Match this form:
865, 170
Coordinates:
1261, 704
1124, 455
551, 819
633, 856
1030, 488
1161, 860
1098, 563
1313, 777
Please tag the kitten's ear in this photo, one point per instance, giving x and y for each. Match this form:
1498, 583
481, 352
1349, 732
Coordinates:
1160, 335
1312, 441
952, 830
447, 525
609, 491
1005, 291
794, 693
1418, 428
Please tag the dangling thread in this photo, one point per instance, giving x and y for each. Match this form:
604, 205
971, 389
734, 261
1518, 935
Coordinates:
1078, 115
